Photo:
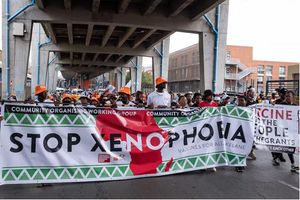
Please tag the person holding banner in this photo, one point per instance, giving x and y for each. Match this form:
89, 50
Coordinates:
289, 100
84, 99
251, 99
208, 99
159, 98
67, 99
251, 96
41, 93
277, 157
124, 97
242, 102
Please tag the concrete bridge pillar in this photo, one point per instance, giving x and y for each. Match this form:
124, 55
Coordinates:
160, 62
207, 54
39, 57
121, 77
111, 78
16, 52
52, 77
136, 74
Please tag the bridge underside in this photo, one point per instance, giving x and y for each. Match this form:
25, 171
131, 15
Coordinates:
92, 37
105, 34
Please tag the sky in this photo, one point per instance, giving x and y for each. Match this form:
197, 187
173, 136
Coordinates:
271, 27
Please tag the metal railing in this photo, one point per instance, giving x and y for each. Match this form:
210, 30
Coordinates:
292, 85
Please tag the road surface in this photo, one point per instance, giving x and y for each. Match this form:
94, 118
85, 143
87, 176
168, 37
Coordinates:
260, 180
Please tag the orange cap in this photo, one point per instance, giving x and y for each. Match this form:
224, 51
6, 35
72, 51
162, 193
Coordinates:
67, 96
159, 80
94, 99
125, 90
39, 89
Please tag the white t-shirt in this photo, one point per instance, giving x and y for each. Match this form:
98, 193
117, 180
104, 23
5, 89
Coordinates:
159, 99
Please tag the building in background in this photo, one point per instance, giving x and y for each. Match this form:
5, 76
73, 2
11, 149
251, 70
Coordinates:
241, 70
184, 70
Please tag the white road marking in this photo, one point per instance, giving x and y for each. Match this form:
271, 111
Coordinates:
289, 185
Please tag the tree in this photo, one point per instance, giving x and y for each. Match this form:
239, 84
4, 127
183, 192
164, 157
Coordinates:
147, 79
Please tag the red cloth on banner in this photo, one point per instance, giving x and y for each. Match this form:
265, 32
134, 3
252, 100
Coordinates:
142, 162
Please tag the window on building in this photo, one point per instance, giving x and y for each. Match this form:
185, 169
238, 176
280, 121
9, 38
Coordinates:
182, 73
186, 72
182, 61
269, 78
175, 63
282, 70
269, 70
227, 69
185, 59
260, 70
228, 55
281, 78
260, 79
194, 57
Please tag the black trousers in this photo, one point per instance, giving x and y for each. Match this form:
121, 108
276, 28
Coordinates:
277, 155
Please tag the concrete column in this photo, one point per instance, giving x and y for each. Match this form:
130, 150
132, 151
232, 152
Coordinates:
206, 52
123, 76
44, 60
52, 77
206, 55
38, 38
18, 48
112, 78
136, 74
160, 62
119, 78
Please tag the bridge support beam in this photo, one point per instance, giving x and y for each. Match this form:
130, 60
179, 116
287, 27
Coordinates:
121, 77
16, 49
52, 77
207, 52
136, 74
160, 62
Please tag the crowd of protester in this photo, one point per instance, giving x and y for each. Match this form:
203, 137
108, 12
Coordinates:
160, 98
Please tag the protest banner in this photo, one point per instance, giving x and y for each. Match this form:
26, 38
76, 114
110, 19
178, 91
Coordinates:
276, 127
73, 144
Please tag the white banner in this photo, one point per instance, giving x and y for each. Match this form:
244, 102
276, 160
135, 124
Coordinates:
277, 127
69, 144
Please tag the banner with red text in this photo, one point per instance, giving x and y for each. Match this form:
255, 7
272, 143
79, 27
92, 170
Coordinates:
72, 144
276, 127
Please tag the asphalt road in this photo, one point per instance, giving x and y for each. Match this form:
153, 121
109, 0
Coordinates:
260, 180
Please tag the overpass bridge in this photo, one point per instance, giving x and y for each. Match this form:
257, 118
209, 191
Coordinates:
92, 37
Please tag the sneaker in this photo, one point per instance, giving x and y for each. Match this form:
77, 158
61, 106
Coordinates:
294, 168
276, 162
213, 169
239, 169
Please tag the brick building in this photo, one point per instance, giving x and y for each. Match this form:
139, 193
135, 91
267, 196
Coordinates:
241, 70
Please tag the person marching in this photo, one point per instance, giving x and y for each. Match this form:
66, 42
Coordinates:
288, 100
40, 93
159, 98
124, 97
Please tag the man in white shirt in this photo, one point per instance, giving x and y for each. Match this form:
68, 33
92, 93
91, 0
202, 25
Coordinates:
159, 98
